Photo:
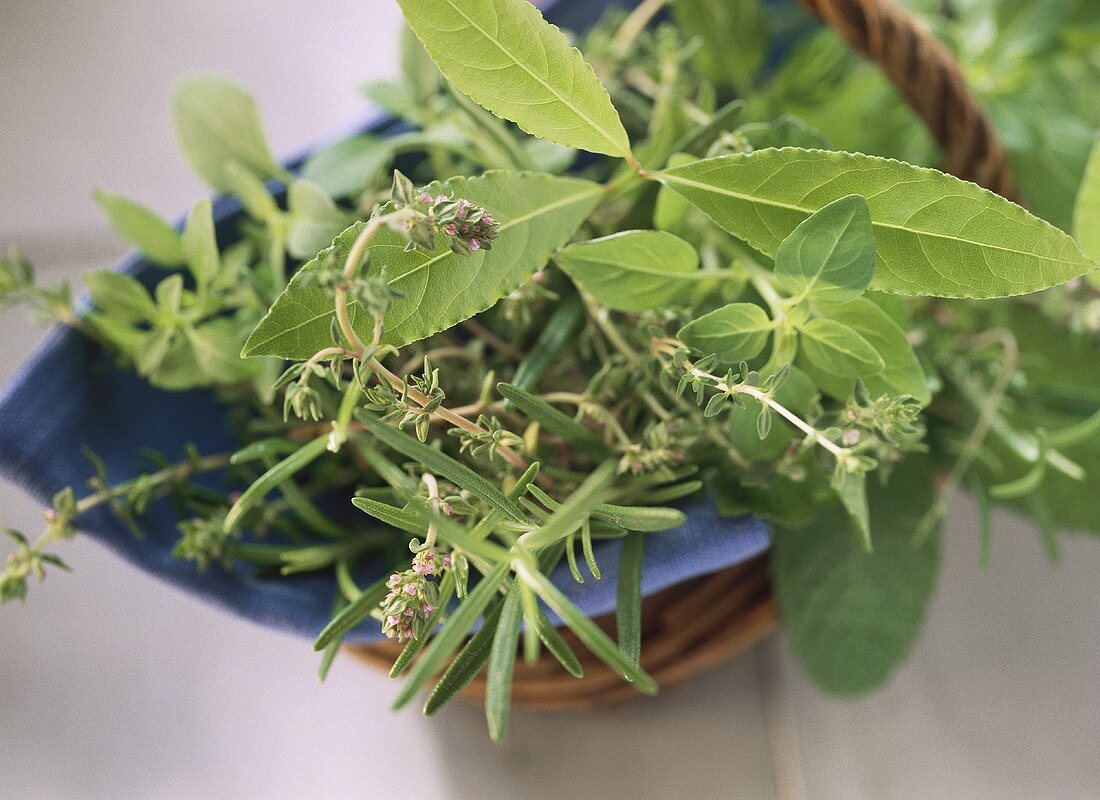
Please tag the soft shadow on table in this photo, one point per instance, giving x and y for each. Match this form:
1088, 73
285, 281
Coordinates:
704, 740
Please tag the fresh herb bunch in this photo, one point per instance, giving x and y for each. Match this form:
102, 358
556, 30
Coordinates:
500, 364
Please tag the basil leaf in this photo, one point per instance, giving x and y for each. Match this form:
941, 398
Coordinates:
151, 235
537, 213
736, 332
902, 373
634, 270
217, 124
836, 348
830, 257
852, 615
936, 235
507, 58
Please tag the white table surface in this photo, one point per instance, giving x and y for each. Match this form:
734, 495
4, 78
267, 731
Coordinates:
115, 686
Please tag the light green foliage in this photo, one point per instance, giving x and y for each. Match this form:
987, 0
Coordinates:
733, 37
829, 258
635, 270
537, 214
146, 231
936, 235
625, 346
217, 124
314, 220
1086, 213
839, 350
736, 332
852, 615
505, 56
901, 373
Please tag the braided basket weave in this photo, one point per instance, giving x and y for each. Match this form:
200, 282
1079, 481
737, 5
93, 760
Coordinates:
687, 629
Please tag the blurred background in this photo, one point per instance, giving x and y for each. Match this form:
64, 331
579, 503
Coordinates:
115, 686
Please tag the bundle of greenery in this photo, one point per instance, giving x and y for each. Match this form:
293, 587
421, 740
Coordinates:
511, 348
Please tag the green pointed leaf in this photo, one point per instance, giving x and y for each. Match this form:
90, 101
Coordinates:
282, 471
586, 630
507, 58
467, 664
935, 234
851, 488
148, 232
200, 247
440, 464
217, 124
852, 615
902, 373
214, 344
352, 614
736, 332
502, 664
121, 296
834, 347
537, 214
634, 270
830, 257
314, 219
628, 607
1086, 212
554, 421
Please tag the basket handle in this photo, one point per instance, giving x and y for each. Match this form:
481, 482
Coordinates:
926, 75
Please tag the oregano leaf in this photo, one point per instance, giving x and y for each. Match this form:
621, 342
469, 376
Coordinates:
935, 234
200, 247
902, 373
830, 257
507, 58
217, 124
145, 230
736, 332
635, 270
834, 347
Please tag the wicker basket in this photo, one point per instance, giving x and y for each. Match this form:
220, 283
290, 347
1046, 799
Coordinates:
687, 629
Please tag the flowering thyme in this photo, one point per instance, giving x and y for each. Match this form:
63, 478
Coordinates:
468, 226
412, 596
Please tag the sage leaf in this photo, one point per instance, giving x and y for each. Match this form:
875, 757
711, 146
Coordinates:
902, 373
851, 488
149, 233
1086, 212
834, 347
830, 257
217, 124
507, 58
735, 332
537, 214
634, 270
935, 234
852, 615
